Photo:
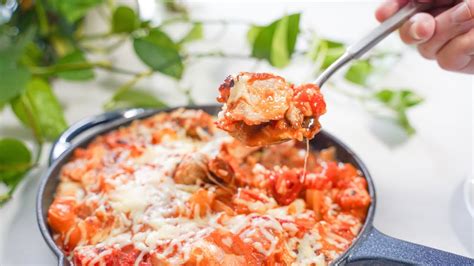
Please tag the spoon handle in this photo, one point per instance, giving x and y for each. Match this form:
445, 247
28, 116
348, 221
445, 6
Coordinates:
359, 48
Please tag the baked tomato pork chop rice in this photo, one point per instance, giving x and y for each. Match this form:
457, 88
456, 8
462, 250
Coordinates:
173, 189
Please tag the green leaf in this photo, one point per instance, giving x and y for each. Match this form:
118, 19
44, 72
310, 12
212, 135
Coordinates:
11, 180
14, 156
134, 98
39, 109
291, 32
145, 24
384, 95
159, 52
399, 101
262, 46
279, 55
359, 72
31, 55
73, 10
77, 75
253, 33
13, 77
15, 161
410, 98
175, 6
403, 121
13, 81
13, 47
275, 42
194, 34
124, 19
327, 52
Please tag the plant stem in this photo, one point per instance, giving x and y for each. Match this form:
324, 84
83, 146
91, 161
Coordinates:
39, 151
42, 18
188, 95
224, 22
95, 36
166, 22
174, 20
127, 86
48, 70
134, 80
104, 50
118, 70
220, 54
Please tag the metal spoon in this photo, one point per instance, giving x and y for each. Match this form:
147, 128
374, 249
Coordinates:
359, 48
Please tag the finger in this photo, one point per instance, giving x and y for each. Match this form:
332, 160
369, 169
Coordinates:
469, 69
457, 54
420, 28
388, 8
437, 11
455, 21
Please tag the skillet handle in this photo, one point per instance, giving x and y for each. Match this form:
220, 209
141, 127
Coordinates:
379, 249
66, 138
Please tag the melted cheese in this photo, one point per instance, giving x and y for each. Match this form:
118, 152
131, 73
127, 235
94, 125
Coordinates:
100, 258
260, 226
308, 248
129, 198
250, 100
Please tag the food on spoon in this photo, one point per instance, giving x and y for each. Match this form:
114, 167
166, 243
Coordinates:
172, 190
262, 109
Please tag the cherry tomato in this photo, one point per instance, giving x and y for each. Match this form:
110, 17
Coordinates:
352, 197
309, 93
286, 185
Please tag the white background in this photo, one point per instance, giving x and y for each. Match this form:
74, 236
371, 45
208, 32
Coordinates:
419, 180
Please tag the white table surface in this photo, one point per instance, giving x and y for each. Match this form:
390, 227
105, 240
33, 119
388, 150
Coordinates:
419, 181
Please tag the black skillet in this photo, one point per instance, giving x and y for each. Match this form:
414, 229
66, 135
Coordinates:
371, 247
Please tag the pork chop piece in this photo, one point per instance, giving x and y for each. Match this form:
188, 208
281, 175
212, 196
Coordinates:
261, 109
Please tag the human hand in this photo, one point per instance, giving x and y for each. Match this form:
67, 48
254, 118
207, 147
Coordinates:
444, 34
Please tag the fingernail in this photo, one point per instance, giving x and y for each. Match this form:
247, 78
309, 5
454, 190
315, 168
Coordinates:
386, 10
412, 31
461, 13
391, 5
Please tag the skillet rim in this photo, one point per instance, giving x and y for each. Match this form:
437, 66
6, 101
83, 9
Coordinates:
55, 166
